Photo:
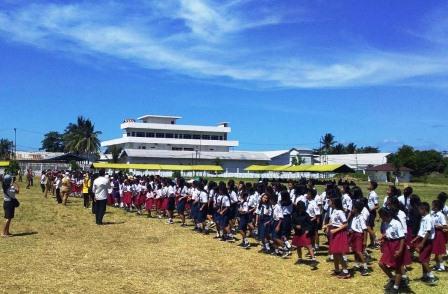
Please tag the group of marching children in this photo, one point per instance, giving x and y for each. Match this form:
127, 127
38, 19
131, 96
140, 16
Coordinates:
285, 217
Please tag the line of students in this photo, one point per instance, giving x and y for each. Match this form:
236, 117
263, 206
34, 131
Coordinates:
282, 218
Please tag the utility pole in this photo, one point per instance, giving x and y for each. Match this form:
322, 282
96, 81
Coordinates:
15, 143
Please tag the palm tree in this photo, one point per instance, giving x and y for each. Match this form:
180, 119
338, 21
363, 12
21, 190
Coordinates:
6, 147
338, 149
115, 152
327, 142
350, 148
82, 138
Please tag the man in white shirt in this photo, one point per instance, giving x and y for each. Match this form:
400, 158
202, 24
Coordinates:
101, 185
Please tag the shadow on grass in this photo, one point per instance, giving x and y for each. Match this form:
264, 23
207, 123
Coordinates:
112, 223
23, 234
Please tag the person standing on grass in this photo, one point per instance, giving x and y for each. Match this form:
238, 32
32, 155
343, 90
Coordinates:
85, 190
10, 202
43, 182
65, 188
101, 185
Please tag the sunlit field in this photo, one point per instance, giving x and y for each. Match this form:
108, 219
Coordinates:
59, 249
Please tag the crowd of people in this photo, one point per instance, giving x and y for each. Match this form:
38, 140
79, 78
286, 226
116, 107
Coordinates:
282, 217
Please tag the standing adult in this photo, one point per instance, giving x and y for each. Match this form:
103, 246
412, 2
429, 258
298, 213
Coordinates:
10, 202
43, 182
29, 178
101, 185
86, 185
65, 187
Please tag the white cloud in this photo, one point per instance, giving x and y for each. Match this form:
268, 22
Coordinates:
204, 47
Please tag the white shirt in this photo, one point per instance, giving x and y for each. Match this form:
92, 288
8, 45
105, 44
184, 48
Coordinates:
365, 213
43, 179
253, 200
438, 218
402, 217
427, 225
223, 201
301, 198
277, 213
171, 191
337, 218
233, 197
203, 197
408, 201
385, 201
312, 209
100, 187
287, 209
445, 210
358, 224
372, 200
347, 202
244, 207
265, 210
394, 230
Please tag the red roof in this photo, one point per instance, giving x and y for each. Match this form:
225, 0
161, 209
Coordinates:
387, 168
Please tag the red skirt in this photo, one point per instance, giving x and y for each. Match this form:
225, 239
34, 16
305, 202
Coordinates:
301, 240
357, 242
439, 243
140, 199
149, 203
110, 199
409, 238
159, 202
389, 248
164, 204
127, 198
339, 243
425, 253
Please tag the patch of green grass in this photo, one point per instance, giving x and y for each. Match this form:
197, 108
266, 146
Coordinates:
61, 250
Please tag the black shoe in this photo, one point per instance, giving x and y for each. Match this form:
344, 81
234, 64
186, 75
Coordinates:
364, 272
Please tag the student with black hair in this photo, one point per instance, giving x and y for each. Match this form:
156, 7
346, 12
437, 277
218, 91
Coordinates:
287, 208
202, 209
439, 244
243, 213
10, 202
358, 236
405, 199
313, 211
263, 219
373, 206
442, 197
394, 252
392, 191
337, 229
424, 243
301, 223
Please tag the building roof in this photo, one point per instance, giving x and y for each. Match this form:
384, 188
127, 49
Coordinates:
164, 167
158, 116
387, 167
231, 155
326, 168
360, 160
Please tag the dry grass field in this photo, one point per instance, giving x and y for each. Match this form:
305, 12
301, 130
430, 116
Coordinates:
59, 249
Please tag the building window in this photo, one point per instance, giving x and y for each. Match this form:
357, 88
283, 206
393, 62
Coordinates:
187, 136
133, 134
129, 134
188, 149
215, 138
150, 135
140, 134
176, 136
196, 137
220, 138
160, 135
168, 135
205, 137
176, 149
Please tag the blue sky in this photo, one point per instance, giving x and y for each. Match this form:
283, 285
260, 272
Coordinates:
282, 72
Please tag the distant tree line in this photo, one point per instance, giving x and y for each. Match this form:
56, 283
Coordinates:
328, 145
422, 162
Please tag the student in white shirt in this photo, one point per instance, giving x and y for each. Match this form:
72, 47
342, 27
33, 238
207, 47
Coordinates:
372, 202
358, 233
243, 213
263, 219
347, 202
313, 210
424, 242
100, 188
276, 225
439, 243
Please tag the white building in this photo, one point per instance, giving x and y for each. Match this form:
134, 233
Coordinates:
387, 173
357, 161
159, 139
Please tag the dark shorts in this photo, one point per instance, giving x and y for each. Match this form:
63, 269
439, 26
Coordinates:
9, 208
371, 219
244, 221
274, 233
181, 206
286, 226
171, 203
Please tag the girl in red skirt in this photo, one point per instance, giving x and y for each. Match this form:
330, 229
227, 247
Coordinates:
127, 195
358, 236
149, 203
395, 255
424, 243
337, 229
302, 225
439, 243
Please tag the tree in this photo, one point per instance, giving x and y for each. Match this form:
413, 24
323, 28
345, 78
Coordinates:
6, 148
115, 152
81, 137
368, 149
338, 149
13, 168
327, 142
53, 142
350, 148
297, 160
